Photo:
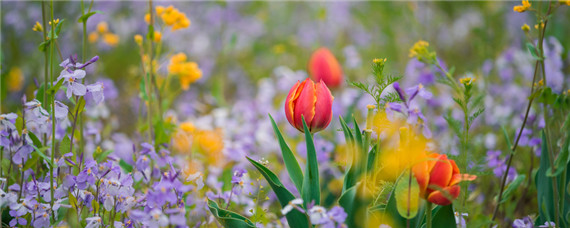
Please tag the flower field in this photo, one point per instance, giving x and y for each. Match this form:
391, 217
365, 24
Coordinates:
284, 114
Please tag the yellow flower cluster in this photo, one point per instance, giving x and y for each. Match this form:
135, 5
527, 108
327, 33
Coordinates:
171, 17
377, 61
421, 52
102, 31
209, 143
522, 8
525, 28
539, 26
466, 80
38, 27
187, 71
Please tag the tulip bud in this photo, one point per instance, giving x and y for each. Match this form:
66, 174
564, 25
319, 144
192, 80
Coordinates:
310, 100
439, 179
324, 66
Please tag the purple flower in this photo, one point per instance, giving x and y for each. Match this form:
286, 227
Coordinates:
74, 87
96, 92
60, 111
238, 174
337, 214
22, 154
6, 121
525, 222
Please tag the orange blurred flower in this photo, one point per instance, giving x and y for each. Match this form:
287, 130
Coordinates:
324, 66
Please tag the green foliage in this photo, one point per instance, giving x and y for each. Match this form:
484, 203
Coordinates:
291, 163
512, 188
407, 194
311, 183
382, 81
228, 218
544, 191
84, 18
125, 166
444, 217
295, 218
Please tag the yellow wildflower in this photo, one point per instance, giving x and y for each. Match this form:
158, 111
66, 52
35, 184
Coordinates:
93, 37
466, 80
56, 21
138, 39
279, 49
525, 28
102, 27
110, 39
171, 16
157, 36
210, 143
421, 52
522, 8
539, 26
15, 79
38, 27
188, 72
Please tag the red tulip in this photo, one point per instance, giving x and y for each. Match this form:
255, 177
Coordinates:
324, 66
312, 101
439, 179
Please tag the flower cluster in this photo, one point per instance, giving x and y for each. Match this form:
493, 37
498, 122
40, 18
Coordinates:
188, 72
103, 32
171, 17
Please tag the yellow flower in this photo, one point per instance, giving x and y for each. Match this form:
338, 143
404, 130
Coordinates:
421, 52
525, 28
539, 26
56, 21
159, 10
157, 36
188, 72
522, 8
15, 79
93, 37
210, 143
138, 39
102, 27
466, 80
38, 27
279, 49
172, 17
378, 61
147, 18
110, 39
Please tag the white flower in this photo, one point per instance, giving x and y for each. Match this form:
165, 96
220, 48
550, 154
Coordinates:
384, 226
548, 224
93, 222
291, 205
318, 215
5, 121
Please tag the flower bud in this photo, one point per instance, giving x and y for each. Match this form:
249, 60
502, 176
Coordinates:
310, 100
324, 66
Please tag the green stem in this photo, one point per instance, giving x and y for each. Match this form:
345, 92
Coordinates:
428, 214
44, 102
53, 121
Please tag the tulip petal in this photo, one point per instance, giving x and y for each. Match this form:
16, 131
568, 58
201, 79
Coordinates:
441, 173
290, 102
324, 66
323, 108
305, 104
441, 198
422, 175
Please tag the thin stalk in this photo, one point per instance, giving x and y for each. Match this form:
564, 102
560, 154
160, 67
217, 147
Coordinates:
149, 75
44, 102
52, 118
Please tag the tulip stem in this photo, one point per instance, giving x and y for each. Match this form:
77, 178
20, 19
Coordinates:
428, 214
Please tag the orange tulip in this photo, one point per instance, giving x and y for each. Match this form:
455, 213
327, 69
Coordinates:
324, 66
312, 101
439, 179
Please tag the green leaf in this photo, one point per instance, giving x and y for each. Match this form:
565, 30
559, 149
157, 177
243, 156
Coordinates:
65, 145
43, 46
19, 123
454, 124
444, 217
295, 218
562, 159
100, 157
351, 205
55, 88
83, 19
291, 163
350, 177
228, 218
125, 166
407, 196
507, 139
42, 155
311, 184
35, 140
392, 210
544, 191
533, 51
57, 30
512, 187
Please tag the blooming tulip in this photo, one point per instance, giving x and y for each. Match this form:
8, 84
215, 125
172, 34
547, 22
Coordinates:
438, 178
324, 66
310, 100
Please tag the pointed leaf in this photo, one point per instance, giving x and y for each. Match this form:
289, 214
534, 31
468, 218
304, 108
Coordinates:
294, 218
407, 196
311, 185
444, 217
228, 218
291, 163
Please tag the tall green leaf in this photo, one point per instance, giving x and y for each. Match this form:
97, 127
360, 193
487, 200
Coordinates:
294, 218
407, 196
544, 189
291, 163
350, 177
444, 217
228, 218
311, 185
350, 205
